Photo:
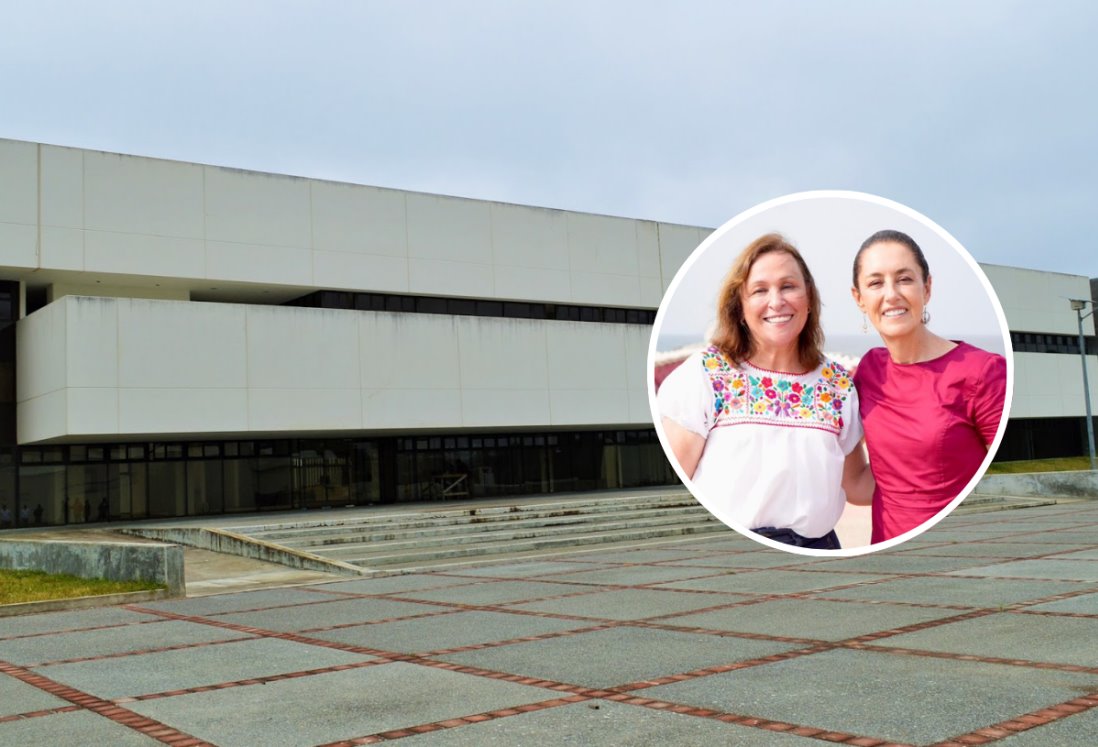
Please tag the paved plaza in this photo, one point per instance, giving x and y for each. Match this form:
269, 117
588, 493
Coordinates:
984, 630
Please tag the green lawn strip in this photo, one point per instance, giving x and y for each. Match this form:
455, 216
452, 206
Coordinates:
1063, 464
36, 586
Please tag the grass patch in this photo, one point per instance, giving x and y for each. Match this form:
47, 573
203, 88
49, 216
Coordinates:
38, 586
1063, 464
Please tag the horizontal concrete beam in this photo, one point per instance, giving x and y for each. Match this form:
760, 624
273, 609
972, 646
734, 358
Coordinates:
115, 561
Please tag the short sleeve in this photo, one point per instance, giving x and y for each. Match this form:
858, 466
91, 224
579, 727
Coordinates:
851, 434
686, 397
989, 397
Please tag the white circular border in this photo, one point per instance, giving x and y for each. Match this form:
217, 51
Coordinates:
816, 195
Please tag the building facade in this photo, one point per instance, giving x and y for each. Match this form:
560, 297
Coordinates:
181, 339
186, 339
1048, 411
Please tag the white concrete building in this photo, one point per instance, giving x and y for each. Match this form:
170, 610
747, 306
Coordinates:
195, 339
183, 339
1048, 411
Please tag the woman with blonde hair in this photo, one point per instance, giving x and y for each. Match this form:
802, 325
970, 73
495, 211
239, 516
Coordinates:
762, 424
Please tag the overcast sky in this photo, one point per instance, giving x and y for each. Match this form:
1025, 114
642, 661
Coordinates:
980, 115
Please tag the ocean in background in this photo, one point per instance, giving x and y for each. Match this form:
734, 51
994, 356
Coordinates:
855, 345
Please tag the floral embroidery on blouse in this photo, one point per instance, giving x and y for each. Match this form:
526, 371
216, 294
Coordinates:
741, 396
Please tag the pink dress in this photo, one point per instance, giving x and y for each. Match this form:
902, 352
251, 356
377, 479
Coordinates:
928, 427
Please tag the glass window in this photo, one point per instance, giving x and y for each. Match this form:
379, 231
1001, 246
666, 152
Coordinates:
43, 489
463, 306
431, 306
489, 308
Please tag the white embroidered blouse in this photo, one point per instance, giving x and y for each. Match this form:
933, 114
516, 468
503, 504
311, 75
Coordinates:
774, 442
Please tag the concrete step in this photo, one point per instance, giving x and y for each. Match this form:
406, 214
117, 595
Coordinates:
479, 515
390, 541
427, 554
347, 552
320, 537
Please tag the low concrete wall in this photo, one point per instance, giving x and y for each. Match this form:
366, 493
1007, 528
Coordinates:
1082, 484
231, 543
117, 561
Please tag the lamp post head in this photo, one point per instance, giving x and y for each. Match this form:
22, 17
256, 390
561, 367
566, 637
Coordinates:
1077, 305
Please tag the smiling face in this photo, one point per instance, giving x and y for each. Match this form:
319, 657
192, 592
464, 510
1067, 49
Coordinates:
775, 302
891, 290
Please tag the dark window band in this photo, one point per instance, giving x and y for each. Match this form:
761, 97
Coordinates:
328, 299
1041, 342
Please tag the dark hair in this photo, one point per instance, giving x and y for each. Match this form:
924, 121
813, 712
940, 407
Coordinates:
732, 336
898, 237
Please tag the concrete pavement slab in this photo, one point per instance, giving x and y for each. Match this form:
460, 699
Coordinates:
1087, 604
893, 698
248, 600
986, 550
446, 631
187, 668
1011, 636
75, 728
338, 705
325, 612
632, 575
51, 622
604, 724
772, 582
897, 562
939, 681
19, 697
526, 569
809, 618
760, 558
617, 656
627, 604
1089, 553
1077, 536
394, 584
966, 534
965, 592
495, 592
671, 553
1050, 568
111, 641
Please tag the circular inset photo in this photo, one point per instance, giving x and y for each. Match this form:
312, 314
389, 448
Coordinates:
830, 373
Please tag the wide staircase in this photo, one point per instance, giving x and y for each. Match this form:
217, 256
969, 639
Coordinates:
429, 536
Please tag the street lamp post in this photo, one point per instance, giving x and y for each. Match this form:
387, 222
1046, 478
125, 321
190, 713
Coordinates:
1077, 306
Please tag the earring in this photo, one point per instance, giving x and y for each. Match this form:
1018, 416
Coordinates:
865, 328
926, 316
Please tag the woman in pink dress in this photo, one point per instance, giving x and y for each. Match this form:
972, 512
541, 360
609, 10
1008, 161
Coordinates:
930, 406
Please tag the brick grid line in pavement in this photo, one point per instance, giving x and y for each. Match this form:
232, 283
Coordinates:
631, 693
147, 726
